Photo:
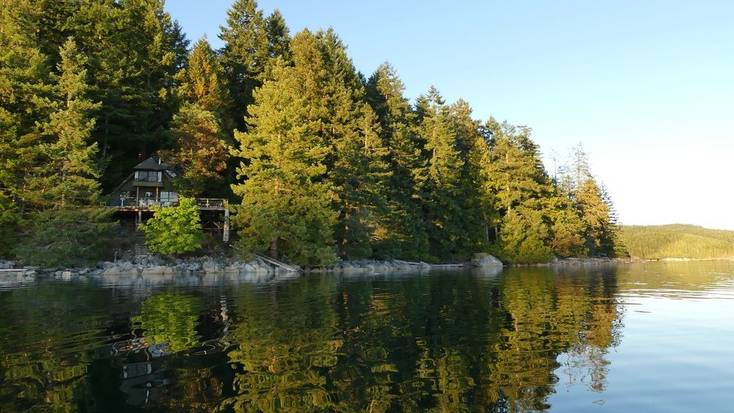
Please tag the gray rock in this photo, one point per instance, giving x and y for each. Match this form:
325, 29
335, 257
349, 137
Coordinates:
158, 270
483, 260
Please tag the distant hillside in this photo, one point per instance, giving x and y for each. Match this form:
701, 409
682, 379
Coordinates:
677, 241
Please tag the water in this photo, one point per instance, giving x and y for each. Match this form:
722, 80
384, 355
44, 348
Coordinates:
643, 337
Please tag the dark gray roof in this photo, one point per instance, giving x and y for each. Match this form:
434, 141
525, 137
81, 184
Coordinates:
151, 164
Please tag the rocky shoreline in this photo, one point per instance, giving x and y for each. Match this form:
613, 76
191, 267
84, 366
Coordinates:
259, 268
153, 268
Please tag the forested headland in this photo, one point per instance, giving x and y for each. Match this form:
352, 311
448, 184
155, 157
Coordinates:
320, 162
677, 241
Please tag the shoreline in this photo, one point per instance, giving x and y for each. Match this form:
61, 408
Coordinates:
259, 268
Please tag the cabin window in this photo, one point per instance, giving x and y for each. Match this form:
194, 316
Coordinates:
148, 176
168, 198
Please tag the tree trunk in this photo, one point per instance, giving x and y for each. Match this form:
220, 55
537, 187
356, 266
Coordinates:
274, 248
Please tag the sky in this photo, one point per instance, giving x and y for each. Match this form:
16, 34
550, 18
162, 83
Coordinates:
646, 86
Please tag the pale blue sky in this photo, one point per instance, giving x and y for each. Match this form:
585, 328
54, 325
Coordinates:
647, 86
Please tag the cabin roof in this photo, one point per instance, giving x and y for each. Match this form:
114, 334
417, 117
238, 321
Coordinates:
151, 164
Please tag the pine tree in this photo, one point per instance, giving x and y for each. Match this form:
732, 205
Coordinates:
200, 129
202, 82
476, 207
278, 36
514, 173
67, 224
439, 179
286, 203
25, 94
403, 233
567, 226
245, 55
200, 152
524, 236
356, 164
135, 51
69, 175
595, 215
613, 243
521, 190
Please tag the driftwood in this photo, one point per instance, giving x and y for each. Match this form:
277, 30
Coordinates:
279, 264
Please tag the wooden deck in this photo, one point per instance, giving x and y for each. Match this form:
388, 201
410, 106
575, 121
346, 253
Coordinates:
204, 204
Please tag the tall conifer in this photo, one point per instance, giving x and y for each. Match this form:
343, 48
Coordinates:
403, 230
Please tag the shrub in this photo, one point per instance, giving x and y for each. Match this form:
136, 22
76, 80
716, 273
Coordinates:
174, 230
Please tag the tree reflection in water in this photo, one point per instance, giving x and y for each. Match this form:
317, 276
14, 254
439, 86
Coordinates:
444, 342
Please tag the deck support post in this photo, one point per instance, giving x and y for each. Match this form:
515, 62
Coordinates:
225, 229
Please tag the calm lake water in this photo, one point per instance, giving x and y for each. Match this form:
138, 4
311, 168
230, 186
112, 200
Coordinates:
637, 338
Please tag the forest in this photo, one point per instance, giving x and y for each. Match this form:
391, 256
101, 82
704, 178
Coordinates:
319, 161
677, 241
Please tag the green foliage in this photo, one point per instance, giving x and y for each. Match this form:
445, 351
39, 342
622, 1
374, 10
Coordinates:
401, 233
524, 237
68, 174
202, 82
327, 163
567, 227
284, 206
251, 42
677, 241
170, 319
66, 237
200, 151
174, 230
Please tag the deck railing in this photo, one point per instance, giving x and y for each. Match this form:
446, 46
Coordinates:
145, 203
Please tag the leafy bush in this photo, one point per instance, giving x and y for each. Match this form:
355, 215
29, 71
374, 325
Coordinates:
66, 237
174, 230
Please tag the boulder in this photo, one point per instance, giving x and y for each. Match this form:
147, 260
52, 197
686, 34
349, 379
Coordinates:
118, 268
158, 270
483, 260
211, 266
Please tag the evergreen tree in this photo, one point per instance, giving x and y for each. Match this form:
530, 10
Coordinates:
454, 199
69, 175
200, 152
67, 225
278, 36
286, 203
200, 129
601, 233
477, 208
135, 50
403, 230
25, 94
567, 226
65, 237
203, 83
515, 172
245, 55
356, 164
614, 244
439, 180
524, 236
595, 215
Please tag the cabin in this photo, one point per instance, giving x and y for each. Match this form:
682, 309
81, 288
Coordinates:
151, 184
